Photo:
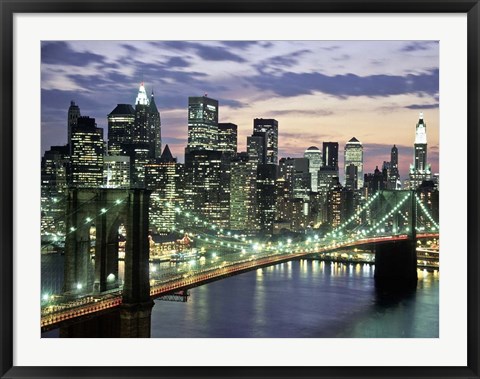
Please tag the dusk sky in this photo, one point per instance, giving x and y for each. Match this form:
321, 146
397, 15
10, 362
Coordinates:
317, 90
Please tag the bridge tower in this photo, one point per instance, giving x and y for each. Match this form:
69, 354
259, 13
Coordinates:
396, 262
106, 209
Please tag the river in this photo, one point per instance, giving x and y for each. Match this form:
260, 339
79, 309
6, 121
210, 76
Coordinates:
303, 299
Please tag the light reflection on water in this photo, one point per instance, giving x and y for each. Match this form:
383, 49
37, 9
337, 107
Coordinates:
294, 299
302, 299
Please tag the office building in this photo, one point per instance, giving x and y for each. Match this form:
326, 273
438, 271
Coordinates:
73, 115
314, 156
120, 128
202, 124
227, 139
269, 129
87, 153
353, 155
165, 179
116, 171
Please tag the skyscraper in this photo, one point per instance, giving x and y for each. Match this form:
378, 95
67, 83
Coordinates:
354, 156
256, 148
330, 156
314, 155
165, 179
207, 192
227, 138
116, 171
120, 127
242, 194
73, 115
145, 137
155, 129
270, 128
202, 124
394, 178
266, 176
420, 170
87, 153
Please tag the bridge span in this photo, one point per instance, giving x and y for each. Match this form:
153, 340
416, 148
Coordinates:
87, 307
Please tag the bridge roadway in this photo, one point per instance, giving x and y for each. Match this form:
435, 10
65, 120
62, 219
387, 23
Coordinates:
55, 316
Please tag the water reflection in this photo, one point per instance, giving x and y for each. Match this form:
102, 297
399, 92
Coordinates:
302, 299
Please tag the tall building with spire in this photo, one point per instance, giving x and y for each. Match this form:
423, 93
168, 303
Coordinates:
146, 140
353, 164
155, 128
73, 115
420, 170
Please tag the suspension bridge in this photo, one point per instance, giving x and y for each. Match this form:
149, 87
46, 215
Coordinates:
389, 224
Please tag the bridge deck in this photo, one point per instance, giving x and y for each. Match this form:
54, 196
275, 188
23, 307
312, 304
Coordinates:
65, 314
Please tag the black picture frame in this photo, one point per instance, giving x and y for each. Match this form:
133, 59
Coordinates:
11, 7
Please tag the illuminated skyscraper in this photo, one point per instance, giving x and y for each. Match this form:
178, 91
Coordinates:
73, 115
227, 138
87, 153
202, 124
155, 129
314, 155
270, 128
165, 179
116, 171
256, 148
420, 170
353, 156
394, 178
242, 194
146, 138
120, 127
330, 156
265, 207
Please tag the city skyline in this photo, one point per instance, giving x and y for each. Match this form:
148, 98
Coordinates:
392, 90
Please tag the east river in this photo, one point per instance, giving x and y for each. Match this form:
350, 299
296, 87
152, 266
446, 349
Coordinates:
304, 299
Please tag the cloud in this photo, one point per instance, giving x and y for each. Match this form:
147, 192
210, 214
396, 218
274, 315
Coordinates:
240, 44
418, 46
423, 106
60, 53
287, 60
342, 86
235, 104
207, 52
177, 62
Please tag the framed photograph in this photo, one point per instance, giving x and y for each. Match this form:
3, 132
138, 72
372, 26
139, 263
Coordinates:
239, 189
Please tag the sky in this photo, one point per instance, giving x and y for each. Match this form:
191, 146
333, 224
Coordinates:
318, 91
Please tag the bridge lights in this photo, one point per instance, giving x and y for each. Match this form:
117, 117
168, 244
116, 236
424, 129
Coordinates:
79, 286
88, 219
103, 210
118, 201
